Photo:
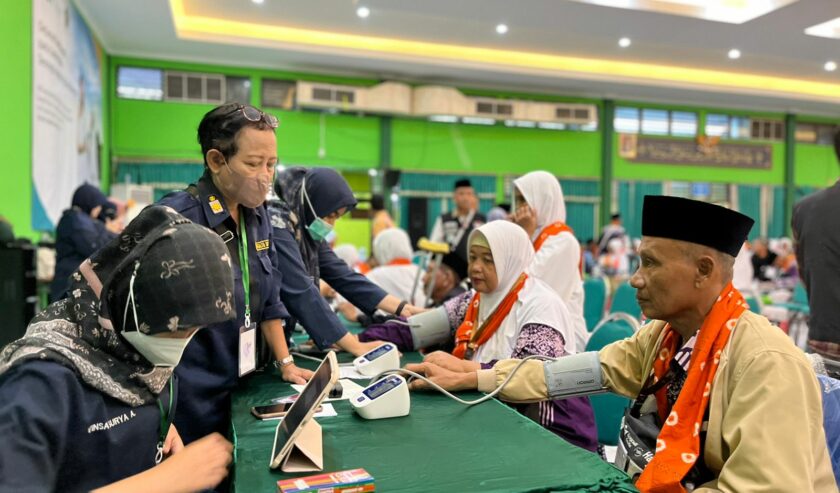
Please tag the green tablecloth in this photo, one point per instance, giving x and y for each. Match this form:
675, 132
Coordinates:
440, 446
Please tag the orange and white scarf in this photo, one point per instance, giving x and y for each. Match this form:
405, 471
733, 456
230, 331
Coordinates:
678, 443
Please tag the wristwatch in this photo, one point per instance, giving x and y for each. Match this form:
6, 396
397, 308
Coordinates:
288, 360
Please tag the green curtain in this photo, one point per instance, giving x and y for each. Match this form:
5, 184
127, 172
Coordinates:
442, 183
749, 203
581, 216
631, 196
776, 227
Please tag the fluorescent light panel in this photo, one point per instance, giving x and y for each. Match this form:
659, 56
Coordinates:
830, 29
730, 11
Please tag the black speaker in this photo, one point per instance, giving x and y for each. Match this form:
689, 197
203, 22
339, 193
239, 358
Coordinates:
418, 218
18, 291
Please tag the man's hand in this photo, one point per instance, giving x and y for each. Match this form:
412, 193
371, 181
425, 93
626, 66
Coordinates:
447, 379
526, 217
449, 362
295, 374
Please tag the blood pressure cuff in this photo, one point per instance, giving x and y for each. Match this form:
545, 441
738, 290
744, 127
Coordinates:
636, 442
575, 375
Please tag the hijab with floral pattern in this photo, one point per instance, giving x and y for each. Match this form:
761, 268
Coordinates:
183, 280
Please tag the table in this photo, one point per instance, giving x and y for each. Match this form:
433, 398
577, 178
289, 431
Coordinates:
441, 446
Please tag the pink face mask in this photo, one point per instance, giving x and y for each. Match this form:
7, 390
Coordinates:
245, 190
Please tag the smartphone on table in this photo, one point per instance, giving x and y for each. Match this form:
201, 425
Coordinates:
273, 411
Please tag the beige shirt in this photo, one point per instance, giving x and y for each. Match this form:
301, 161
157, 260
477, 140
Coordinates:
765, 409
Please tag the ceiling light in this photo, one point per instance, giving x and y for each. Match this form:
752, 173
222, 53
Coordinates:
373, 172
830, 66
363, 12
734, 54
730, 11
829, 29
501, 28
258, 2
624, 42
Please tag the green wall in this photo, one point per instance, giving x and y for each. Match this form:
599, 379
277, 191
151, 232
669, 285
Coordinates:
16, 127
816, 165
428, 146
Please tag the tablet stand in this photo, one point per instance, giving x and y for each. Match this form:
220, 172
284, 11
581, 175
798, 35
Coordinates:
307, 450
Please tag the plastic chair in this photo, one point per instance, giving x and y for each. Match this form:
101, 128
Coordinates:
754, 304
594, 301
625, 301
800, 311
609, 408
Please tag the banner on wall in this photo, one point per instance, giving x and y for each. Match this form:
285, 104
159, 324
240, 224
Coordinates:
66, 109
703, 152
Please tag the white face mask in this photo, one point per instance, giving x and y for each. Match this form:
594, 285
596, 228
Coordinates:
160, 351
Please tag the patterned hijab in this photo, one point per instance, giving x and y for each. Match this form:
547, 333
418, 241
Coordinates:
328, 192
183, 280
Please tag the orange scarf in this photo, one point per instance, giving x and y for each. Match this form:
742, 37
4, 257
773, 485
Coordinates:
468, 339
400, 261
678, 444
554, 229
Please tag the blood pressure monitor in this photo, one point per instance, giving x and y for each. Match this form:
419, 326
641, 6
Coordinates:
384, 358
385, 398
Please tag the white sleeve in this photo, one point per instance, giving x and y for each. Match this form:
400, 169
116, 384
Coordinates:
558, 264
437, 231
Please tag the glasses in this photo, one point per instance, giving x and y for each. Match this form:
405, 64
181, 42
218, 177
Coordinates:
254, 115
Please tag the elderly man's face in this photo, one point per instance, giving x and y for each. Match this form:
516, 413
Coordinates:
665, 281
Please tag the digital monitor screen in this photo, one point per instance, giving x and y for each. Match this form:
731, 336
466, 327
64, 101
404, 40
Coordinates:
381, 387
378, 352
302, 405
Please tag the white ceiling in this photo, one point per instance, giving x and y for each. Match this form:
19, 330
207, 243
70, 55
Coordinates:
774, 44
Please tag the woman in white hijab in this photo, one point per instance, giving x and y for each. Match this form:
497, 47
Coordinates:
540, 210
395, 272
511, 314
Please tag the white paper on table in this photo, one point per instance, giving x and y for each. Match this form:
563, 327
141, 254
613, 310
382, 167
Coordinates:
349, 389
327, 410
351, 372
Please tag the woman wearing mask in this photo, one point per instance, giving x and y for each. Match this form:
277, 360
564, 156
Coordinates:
82, 230
310, 202
512, 314
541, 211
240, 152
87, 396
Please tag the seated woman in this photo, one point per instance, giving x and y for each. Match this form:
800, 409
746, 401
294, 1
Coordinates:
87, 395
395, 273
310, 202
510, 313
541, 212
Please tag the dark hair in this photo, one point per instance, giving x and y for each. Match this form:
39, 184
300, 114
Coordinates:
220, 127
615, 216
837, 142
377, 203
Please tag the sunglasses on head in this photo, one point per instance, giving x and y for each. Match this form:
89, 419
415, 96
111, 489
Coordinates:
254, 115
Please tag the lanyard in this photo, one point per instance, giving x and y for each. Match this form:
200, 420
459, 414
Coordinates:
246, 272
165, 422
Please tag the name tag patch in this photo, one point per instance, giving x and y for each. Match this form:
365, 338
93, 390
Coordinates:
261, 245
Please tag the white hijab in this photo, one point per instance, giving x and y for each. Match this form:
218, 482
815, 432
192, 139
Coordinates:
391, 244
537, 303
348, 253
542, 191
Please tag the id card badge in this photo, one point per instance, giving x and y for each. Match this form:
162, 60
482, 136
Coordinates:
247, 350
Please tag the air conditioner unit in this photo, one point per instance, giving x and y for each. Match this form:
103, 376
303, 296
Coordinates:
316, 95
440, 100
387, 97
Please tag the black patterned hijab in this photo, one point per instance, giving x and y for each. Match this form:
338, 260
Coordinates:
328, 192
183, 280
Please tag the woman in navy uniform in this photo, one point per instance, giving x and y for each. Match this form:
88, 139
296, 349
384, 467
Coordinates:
82, 230
240, 152
87, 396
310, 202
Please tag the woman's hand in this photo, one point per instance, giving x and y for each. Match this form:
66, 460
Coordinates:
526, 218
294, 374
173, 443
449, 362
409, 310
447, 379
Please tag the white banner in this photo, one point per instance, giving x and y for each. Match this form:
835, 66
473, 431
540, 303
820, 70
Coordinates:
66, 109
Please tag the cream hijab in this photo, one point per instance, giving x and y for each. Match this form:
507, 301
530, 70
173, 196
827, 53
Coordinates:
542, 191
537, 303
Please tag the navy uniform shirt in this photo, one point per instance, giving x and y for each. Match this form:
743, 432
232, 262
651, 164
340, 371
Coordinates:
77, 237
303, 297
209, 369
59, 434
